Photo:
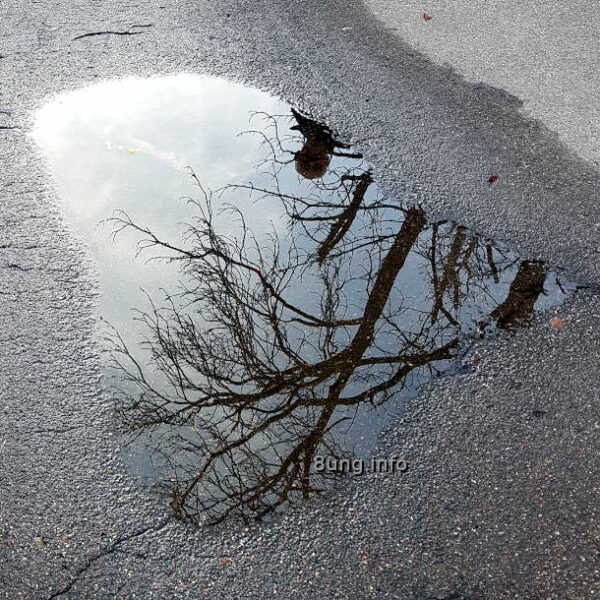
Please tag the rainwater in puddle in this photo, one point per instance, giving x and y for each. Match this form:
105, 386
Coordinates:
268, 306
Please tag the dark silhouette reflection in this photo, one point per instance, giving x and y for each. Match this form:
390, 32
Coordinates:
313, 159
272, 344
525, 289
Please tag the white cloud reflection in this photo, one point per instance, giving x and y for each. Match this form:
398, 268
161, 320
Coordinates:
125, 144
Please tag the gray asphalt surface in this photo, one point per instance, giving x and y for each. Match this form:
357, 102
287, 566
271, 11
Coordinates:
546, 53
502, 501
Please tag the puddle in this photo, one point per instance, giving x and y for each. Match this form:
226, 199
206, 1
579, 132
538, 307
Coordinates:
268, 305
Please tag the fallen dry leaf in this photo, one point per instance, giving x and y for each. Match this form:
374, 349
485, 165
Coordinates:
427, 17
557, 323
493, 178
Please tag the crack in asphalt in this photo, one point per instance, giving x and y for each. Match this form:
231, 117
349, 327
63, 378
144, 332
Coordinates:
79, 37
8, 246
450, 597
18, 267
106, 551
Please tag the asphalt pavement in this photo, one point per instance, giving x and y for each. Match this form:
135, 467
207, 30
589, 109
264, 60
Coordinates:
501, 500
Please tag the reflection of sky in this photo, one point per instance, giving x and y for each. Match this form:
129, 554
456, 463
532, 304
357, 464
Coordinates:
124, 145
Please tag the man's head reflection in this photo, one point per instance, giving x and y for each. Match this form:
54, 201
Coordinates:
312, 161
314, 158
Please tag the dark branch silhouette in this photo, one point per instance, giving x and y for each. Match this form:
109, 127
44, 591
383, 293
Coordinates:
272, 344
525, 289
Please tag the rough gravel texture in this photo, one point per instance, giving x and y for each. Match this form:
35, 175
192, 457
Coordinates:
501, 499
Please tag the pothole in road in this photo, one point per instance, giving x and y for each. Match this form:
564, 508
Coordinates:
269, 307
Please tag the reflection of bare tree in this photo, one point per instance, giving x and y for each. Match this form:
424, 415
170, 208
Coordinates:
269, 346
260, 380
343, 221
465, 261
460, 260
525, 289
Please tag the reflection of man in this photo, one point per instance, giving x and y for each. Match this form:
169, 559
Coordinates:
319, 146
312, 161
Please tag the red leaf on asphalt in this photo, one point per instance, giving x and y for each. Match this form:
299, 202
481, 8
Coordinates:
427, 17
493, 178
